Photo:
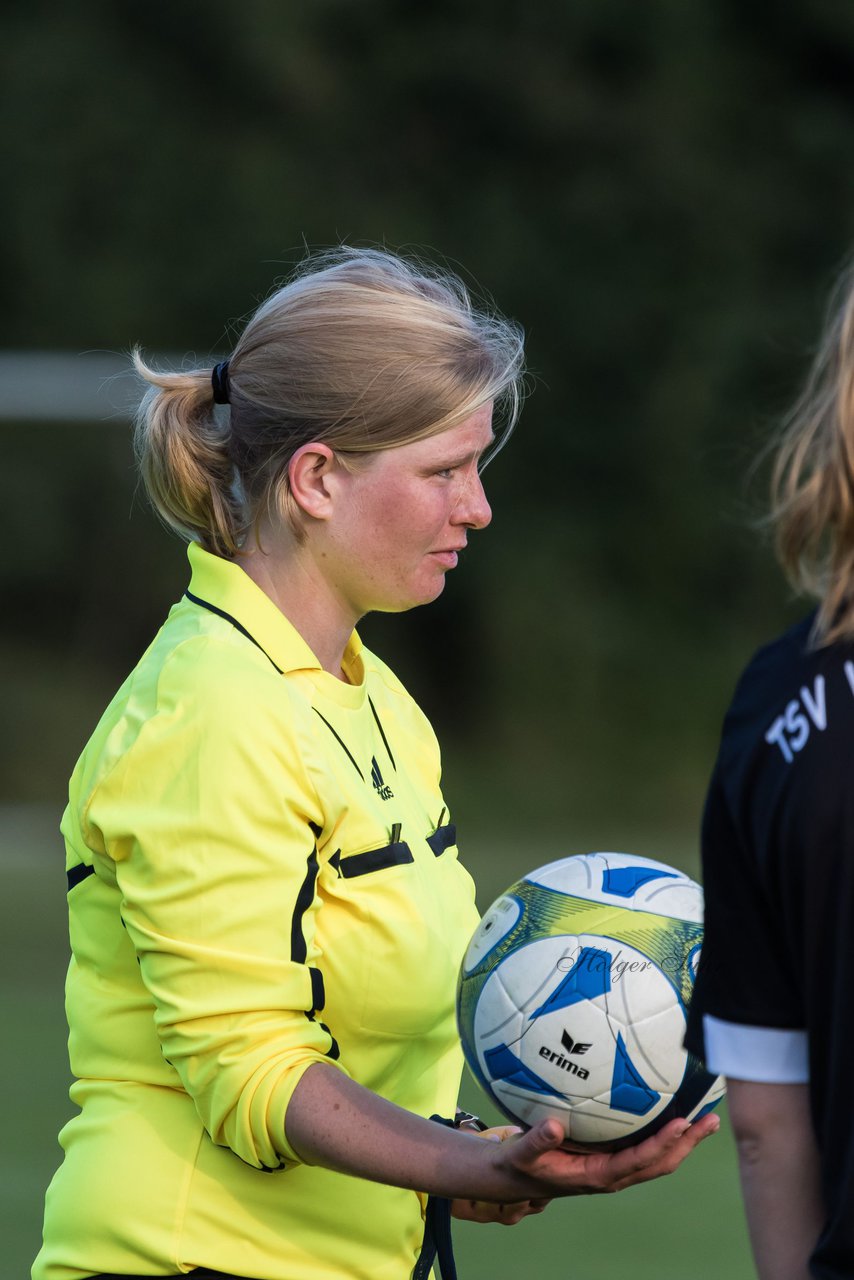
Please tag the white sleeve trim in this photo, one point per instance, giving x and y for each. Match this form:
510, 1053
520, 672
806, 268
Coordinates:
763, 1054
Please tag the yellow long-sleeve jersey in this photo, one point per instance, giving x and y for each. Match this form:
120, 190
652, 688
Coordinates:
262, 875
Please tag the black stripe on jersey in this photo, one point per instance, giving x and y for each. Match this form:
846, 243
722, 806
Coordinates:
318, 991
362, 864
341, 743
221, 1275
78, 873
333, 1051
442, 838
212, 608
382, 732
299, 950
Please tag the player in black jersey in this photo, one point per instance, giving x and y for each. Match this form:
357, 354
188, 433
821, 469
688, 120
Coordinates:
772, 1009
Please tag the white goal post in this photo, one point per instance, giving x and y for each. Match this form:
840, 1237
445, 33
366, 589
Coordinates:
87, 386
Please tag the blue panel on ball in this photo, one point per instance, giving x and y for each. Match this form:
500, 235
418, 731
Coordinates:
624, 882
588, 978
502, 1064
629, 1091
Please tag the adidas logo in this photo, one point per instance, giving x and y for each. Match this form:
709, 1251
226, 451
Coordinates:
382, 789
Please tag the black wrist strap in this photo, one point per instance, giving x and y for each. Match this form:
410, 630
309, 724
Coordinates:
469, 1121
438, 1246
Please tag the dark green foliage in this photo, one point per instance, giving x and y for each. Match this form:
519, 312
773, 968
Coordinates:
661, 193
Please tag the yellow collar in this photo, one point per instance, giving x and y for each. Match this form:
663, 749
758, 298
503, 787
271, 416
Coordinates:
223, 586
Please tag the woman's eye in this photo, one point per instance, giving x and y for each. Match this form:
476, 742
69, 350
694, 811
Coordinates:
446, 472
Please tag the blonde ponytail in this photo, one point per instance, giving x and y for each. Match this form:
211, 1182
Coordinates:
184, 458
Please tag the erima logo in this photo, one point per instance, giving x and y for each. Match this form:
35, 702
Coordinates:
572, 1046
383, 791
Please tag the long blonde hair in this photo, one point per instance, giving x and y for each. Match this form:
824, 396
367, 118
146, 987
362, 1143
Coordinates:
812, 485
362, 350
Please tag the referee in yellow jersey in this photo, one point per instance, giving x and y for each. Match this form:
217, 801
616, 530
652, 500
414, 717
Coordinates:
266, 906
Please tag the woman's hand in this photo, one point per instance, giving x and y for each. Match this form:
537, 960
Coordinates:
486, 1210
541, 1167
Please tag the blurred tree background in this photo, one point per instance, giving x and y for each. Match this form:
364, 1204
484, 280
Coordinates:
661, 194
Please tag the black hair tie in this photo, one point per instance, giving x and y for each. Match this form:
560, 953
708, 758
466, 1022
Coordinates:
219, 382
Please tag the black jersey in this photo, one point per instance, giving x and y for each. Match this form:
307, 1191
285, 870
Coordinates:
774, 996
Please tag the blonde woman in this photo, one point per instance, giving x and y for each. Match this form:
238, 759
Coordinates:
772, 1007
267, 909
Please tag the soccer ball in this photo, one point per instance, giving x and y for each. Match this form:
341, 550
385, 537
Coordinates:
572, 997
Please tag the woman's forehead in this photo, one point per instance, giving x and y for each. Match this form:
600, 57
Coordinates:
473, 435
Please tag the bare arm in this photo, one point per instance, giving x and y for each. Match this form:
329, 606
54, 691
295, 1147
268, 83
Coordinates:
778, 1163
334, 1122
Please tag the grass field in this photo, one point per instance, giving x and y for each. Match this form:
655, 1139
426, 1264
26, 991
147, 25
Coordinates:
689, 1225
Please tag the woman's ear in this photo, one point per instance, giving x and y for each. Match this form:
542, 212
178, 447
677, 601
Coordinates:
309, 472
